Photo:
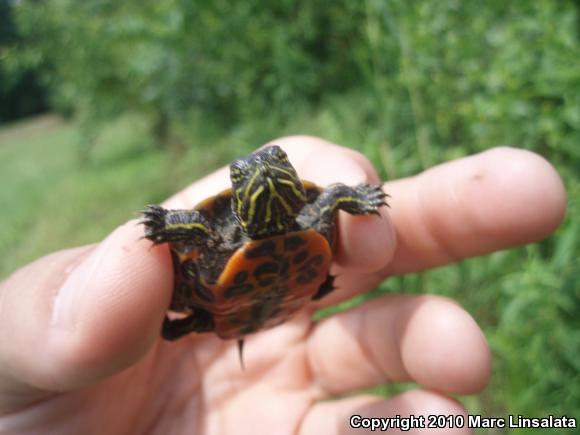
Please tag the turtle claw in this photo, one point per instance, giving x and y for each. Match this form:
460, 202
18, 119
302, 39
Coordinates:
162, 225
154, 221
372, 198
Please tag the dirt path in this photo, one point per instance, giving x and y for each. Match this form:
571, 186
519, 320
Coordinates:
29, 127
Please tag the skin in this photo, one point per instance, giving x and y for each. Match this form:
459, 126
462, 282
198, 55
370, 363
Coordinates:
80, 350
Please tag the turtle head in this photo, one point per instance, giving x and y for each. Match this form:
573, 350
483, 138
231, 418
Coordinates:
267, 194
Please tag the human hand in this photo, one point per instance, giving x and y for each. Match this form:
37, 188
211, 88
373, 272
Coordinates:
80, 350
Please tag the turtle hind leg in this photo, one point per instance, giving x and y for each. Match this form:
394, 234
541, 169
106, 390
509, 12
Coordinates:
325, 288
198, 321
162, 225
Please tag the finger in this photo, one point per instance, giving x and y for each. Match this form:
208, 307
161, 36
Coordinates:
339, 417
495, 200
426, 339
472, 206
366, 243
76, 316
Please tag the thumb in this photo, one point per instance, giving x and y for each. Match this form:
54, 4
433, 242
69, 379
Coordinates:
77, 316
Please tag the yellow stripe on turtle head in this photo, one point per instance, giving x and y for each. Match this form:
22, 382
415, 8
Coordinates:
267, 193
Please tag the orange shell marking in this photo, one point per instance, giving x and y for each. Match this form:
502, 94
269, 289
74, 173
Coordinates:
266, 281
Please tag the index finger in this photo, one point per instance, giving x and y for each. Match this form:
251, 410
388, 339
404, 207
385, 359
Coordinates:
495, 200
472, 206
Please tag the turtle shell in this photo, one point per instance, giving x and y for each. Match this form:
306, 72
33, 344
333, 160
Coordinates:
262, 284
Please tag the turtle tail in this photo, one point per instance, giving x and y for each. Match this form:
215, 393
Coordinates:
241, 352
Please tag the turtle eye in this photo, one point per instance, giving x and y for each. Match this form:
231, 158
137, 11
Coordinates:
236, 172
278, 153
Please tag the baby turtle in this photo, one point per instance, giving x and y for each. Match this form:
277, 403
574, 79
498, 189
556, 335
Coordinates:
251, 256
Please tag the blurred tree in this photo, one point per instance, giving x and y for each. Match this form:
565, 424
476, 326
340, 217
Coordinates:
21, 94
103, 58
440, 73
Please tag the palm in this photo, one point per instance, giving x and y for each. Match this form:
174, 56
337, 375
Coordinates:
197, 385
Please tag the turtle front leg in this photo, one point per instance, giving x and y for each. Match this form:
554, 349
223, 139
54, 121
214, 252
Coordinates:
190, 226
362, 199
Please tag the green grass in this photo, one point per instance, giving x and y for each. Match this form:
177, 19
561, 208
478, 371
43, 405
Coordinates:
51, 201
526, 300
57, 192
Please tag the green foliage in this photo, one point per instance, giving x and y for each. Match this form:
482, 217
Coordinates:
410, 84
21, 94
459, 75
444, 73
104, 58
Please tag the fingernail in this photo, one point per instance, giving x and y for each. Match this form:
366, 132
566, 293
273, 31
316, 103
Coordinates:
344, 170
